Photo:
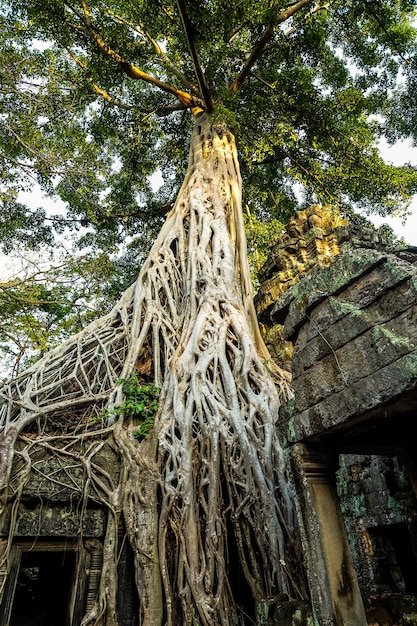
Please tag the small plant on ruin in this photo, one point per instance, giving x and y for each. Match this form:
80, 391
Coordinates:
140, 402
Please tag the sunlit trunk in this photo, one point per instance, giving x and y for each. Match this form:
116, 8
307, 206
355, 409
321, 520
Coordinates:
210, 481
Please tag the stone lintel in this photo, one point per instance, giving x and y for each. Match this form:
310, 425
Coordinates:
383, 386
56, 520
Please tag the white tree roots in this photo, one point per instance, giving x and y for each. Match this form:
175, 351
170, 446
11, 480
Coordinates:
205, 496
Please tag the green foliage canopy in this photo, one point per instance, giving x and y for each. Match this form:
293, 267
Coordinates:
309, 109
42, 304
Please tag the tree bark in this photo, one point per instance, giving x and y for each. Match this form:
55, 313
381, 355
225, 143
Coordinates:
210, 482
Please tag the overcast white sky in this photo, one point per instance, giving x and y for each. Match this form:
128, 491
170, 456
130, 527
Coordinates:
407, 230
402, 152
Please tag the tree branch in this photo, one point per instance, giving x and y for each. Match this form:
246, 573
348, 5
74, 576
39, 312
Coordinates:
263, 41
388, 35
94, 86
36, 153
6, 290
314, 10
188, 30
162, 55
311, 175
134, 72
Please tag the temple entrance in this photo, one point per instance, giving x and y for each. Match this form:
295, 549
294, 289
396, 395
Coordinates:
43, 589
43, 586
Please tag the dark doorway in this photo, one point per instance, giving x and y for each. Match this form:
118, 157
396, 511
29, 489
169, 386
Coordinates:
127, 595
395, 559
43, 589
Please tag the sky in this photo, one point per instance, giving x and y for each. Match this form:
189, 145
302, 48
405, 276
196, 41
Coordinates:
399, 154
407, 230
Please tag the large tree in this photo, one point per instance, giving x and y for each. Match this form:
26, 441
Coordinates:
307, 94
120, 86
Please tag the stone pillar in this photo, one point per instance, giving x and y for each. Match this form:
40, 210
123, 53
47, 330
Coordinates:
335, 595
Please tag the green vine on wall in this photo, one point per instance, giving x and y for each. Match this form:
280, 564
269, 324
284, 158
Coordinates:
140, 402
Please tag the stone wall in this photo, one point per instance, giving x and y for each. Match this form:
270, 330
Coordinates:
379, 509
346, 302
355, 337
312, 239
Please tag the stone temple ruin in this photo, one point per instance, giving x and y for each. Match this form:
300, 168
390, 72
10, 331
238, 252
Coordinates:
53, 577
348, 306
343, 306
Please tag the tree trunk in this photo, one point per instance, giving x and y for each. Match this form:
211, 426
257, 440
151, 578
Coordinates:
205, 499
